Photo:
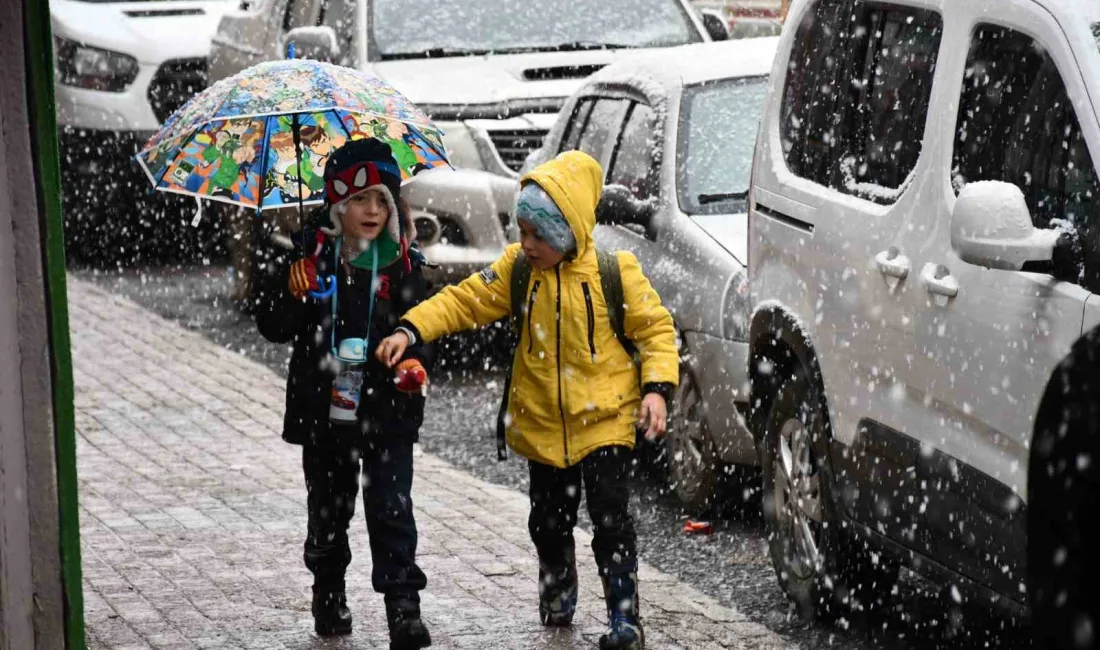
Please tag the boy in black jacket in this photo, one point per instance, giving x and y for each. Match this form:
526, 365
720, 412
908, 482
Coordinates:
349, 412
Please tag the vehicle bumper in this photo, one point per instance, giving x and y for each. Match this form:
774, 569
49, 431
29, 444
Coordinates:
720, 367
454, 264
499, 146
93, 152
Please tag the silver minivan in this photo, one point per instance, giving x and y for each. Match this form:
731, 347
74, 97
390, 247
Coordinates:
674, 133
923, 251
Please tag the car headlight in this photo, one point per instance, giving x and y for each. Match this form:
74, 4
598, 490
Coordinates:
735, 308
93, 68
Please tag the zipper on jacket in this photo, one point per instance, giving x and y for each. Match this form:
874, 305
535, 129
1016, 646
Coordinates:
591, 320
531, 308
561, 393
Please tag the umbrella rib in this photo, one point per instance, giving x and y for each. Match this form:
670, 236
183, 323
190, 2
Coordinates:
340, 120
261, 183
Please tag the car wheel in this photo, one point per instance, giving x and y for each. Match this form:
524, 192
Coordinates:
825, 572
1063, 493
694, 469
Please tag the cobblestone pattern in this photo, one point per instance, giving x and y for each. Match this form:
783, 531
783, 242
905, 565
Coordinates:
193, 517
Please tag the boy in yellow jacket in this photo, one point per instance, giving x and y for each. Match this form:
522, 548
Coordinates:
575, 395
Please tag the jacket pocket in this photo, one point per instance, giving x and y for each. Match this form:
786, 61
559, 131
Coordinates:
530, 310
591, 312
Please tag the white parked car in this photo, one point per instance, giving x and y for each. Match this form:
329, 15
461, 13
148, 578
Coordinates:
122, 67
492, 73
675, 131
923, 251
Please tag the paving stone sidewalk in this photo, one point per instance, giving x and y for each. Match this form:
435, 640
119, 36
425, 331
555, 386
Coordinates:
193, 511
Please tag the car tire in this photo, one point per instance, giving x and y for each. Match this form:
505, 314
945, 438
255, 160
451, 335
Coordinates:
1063, 494
695, 471
825, 571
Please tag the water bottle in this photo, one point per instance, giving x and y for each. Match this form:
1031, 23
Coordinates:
350, 359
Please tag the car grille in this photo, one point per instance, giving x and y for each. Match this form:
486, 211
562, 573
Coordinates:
176, 82
514, 145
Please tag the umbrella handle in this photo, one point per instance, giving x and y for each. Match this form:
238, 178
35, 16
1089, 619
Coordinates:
325, 291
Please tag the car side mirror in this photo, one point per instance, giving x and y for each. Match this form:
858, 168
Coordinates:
715, 25
991, 227
315, 43
618, 206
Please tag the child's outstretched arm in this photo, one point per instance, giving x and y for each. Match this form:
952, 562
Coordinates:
649, 325
478, 300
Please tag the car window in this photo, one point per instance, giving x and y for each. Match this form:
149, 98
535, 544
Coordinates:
635, 159
421, 28
713, 165
575, 126
857, 93
339, 15
300, 13
1016, 124
601, 125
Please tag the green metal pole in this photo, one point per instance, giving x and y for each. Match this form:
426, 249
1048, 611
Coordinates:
40, 92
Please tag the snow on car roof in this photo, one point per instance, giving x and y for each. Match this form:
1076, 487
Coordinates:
673, 67
1071, 12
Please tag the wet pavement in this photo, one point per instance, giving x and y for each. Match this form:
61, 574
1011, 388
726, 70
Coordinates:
730, 565
193, 514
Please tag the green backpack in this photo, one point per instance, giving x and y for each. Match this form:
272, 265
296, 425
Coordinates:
611, 281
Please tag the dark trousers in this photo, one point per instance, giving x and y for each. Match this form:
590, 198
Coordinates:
556, 495
332, 481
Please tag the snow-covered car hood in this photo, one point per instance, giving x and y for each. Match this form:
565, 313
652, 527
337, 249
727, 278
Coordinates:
731, 231
151, 32
473, 80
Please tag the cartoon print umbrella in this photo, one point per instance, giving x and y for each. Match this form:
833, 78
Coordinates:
261, 138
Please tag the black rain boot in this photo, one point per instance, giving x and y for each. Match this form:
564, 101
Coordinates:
331, 616
558, 593
407, 631
624, 622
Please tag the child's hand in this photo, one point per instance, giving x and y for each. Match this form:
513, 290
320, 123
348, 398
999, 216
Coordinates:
392, 348
411, 376
303, 278
653, 416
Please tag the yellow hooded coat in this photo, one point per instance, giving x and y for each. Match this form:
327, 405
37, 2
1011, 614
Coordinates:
574, 388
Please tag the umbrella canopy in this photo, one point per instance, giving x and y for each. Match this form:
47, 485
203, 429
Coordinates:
262, 137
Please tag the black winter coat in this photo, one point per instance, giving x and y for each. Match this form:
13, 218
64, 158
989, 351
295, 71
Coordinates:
383, 410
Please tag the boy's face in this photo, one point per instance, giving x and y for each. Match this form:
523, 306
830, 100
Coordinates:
285, 153
541, 254
322, 147
366, 215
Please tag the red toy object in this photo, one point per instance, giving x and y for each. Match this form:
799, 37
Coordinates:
698, 527
411, 376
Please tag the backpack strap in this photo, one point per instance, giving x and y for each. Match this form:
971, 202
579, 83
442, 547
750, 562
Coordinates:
611, 281
521, 277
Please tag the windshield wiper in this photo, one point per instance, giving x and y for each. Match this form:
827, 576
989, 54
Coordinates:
433, 53
704, 199
574, 46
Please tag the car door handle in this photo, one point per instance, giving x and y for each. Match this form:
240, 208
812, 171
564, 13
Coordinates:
939, 281
893, 264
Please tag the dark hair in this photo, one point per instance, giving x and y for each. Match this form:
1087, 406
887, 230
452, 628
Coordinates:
312, 135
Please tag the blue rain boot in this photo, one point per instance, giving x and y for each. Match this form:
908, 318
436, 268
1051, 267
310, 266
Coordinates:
558, 594
624, 622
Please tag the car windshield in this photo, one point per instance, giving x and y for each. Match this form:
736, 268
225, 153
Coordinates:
718, 122
422, 28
